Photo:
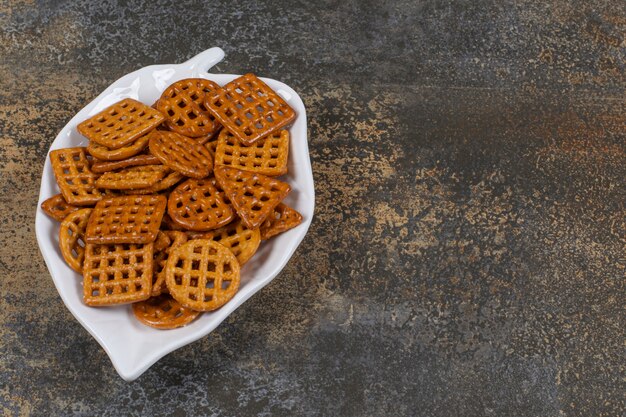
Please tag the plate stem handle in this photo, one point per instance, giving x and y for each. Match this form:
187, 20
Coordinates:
206, 59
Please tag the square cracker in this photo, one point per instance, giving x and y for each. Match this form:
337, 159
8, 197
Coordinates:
117, 274
127, 219
74, 177
121, 123
267, 156
249, 108
254, 196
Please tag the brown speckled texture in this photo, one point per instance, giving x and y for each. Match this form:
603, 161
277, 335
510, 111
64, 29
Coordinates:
468, 251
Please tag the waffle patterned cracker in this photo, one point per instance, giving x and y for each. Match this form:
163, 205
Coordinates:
166, 241
100, 167
127, 219
253, 195
181, 153
241, 241
131, 178
72, 238
117, 274
163, 312
75, 179
202, 275
249, 108
267, 156
199, 205
282, 219
57, 208
121, 123
182, 104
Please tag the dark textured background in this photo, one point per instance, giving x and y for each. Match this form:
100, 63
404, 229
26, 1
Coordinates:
469, 247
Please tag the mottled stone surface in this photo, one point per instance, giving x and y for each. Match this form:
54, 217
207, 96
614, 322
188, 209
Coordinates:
468, 252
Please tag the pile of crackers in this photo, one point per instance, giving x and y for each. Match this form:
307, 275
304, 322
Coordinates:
168, 201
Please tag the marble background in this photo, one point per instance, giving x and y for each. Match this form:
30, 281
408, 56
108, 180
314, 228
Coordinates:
468, 252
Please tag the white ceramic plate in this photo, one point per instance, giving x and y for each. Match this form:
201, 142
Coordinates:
133, 347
